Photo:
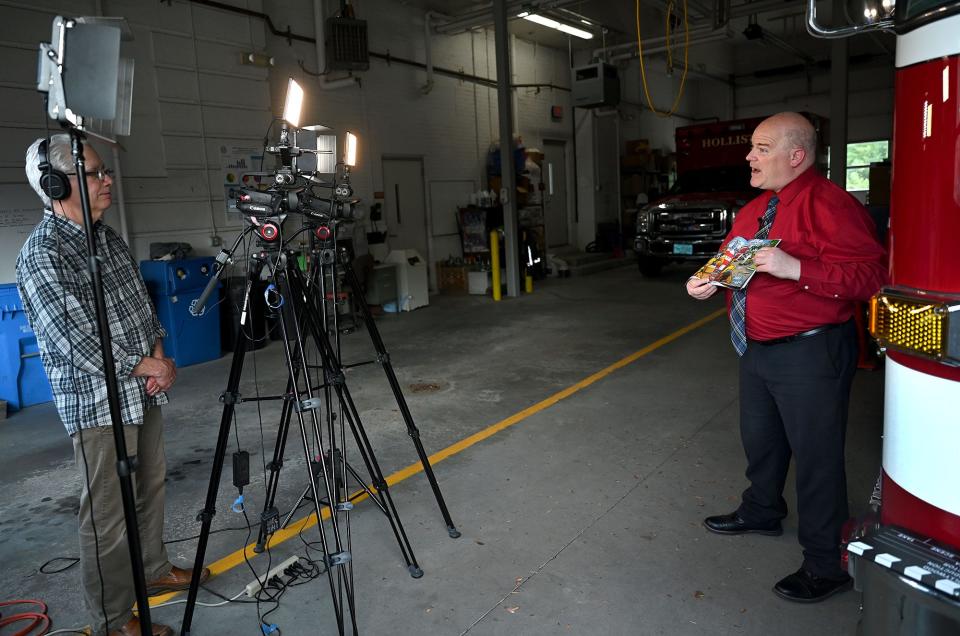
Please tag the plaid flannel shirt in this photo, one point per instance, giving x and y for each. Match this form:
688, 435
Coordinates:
57, 294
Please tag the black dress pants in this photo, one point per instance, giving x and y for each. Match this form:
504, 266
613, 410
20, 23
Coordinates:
794, 398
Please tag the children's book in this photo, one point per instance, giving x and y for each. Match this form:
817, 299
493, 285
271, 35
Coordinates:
733, 266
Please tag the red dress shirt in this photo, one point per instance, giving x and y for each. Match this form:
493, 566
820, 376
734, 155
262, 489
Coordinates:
841, 259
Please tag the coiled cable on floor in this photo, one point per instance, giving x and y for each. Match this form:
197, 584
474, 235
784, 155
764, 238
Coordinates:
38, 618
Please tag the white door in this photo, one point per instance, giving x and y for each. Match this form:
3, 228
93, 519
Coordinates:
554, 177
405, 208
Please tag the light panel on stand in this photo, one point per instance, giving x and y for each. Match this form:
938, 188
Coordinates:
293, 103
350, 152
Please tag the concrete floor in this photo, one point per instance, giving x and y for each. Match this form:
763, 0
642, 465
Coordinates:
584, 517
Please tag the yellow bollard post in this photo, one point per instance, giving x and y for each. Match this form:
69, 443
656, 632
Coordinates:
528, 284
495, 262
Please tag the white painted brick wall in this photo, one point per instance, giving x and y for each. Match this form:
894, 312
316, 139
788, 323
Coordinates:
192, 96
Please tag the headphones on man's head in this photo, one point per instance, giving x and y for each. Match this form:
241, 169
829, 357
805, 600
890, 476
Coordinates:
54, 183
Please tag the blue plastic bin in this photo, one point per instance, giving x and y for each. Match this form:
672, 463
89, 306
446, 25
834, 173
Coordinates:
23, 381
175, 286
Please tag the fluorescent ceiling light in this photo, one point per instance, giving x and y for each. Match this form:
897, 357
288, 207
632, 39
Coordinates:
553, 24
293, 103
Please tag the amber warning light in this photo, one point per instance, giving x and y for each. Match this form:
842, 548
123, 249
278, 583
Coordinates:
918, 323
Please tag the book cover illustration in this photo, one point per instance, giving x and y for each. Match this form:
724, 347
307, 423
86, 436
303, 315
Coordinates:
733, 266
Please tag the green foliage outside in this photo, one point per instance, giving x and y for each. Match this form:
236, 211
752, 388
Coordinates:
859, 158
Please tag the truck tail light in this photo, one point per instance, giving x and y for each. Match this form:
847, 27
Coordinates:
917, 322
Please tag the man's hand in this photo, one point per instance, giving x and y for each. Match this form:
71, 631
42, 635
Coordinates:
160, 373
700, 289
776, 262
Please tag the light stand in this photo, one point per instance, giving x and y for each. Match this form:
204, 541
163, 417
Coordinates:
95, 45
126, 465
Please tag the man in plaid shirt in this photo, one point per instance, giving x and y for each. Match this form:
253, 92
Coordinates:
58, 299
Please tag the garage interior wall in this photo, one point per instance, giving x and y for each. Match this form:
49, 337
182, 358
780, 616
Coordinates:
771, 79
193, 97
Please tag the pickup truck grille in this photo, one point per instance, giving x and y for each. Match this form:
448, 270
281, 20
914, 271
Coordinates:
688, 222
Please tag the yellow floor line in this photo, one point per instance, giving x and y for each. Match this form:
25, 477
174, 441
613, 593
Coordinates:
232, 560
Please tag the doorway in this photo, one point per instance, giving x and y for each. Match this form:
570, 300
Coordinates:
404, 203
554, 177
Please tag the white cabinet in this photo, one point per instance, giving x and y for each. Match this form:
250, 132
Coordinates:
412, 286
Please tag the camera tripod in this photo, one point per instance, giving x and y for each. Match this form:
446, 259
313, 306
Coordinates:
287, 294
327, 462
323, 268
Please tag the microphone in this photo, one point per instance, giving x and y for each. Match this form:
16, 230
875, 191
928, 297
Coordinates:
220, 263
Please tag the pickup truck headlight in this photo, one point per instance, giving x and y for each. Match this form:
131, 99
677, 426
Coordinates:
643, 222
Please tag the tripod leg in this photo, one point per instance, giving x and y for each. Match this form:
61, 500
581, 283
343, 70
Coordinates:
340, 557
266, 526
335, 378
229, 399
384, 358
382, 488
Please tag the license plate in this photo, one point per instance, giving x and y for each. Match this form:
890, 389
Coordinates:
683, 248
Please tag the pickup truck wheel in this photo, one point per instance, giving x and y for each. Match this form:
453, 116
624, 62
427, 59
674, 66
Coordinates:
650, 267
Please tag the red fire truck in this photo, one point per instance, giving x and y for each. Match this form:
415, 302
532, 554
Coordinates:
713, 183
690, 222
908, 566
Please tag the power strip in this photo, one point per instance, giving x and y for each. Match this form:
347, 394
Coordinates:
254, 586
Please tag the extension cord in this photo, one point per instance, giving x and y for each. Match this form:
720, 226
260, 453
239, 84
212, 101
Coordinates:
254, 586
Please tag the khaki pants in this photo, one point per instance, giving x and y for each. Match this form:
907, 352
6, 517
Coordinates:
102, 526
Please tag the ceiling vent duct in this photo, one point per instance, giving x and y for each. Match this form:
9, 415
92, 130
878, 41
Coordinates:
347, 46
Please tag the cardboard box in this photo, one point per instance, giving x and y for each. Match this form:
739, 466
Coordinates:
646, 161
636, 146
452, 279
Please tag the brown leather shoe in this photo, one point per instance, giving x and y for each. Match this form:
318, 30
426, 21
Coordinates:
132, 628
177, 579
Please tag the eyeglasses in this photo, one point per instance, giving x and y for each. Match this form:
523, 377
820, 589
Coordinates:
101, 173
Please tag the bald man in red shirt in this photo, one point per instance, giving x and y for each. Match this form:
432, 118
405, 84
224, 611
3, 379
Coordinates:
793, 329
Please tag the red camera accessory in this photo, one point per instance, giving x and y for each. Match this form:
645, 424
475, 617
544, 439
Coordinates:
269, 231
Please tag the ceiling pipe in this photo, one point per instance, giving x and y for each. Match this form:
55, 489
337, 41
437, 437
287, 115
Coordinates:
653, 50
472, 19
699, 9
761, 6
427, 52
707, 26
721, 13
657, 41
780, 43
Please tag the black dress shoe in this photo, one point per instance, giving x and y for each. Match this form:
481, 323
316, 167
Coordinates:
733, 524
804, 587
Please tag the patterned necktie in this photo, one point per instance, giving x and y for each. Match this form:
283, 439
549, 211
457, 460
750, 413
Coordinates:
738, 308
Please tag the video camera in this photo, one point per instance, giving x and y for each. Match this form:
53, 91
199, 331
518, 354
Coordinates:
277, 201
292, 190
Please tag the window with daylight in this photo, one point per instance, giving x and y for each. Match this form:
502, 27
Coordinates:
859, 157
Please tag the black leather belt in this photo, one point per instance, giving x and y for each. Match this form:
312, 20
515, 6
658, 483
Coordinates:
799, 336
